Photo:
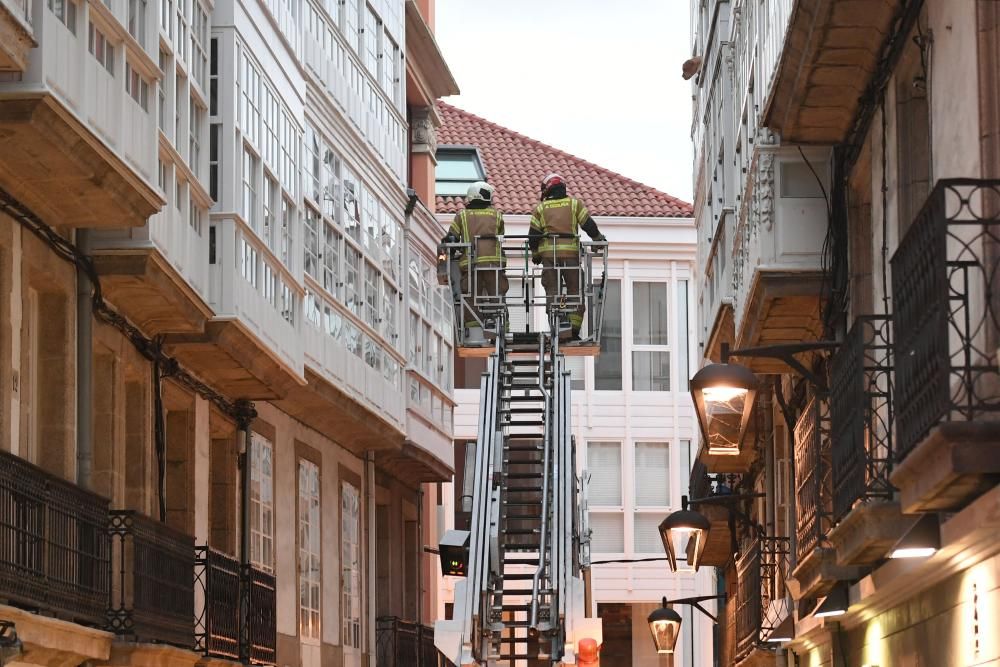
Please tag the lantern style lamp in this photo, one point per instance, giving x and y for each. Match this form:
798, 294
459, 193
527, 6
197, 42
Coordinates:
723, 399
684, 522
665, 624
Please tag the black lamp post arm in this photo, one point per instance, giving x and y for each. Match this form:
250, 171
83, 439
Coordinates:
787, 354
696, 603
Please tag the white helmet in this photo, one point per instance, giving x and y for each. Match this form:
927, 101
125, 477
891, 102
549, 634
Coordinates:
480, 191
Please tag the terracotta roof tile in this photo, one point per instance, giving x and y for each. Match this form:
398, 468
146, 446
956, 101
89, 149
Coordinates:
515, 165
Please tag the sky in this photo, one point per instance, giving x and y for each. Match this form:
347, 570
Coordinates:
599, 79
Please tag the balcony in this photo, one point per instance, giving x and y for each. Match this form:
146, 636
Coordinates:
816, 571
827, 56
252, 347
16, 34
157, 274
947, 389
152, 581
54, 545
217, 630
400, 643
868, 519
778, 252
762, 601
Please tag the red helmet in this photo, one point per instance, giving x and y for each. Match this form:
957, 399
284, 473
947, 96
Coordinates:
551, 181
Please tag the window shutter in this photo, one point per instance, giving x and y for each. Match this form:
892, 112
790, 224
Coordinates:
607, 534
604, 463
647, 534
652, 474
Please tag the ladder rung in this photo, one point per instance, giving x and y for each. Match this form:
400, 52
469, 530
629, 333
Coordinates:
522, 411
520, 531
520, 576
522, 475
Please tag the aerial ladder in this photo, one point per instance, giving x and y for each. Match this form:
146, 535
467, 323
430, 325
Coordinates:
522, 601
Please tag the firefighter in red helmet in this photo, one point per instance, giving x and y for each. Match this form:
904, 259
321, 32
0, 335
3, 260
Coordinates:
554, 239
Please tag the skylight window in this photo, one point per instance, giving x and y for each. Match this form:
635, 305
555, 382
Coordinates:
457, 168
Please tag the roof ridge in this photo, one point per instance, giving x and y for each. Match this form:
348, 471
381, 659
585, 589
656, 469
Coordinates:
659, 193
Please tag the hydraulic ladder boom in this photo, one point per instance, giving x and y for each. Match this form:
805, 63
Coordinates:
523, 597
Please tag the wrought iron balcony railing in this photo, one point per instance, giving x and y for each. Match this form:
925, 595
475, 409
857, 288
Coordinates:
946, 313
813, 484
861, 415
762, 601
152, 582
222, 586
54, 544
401, 643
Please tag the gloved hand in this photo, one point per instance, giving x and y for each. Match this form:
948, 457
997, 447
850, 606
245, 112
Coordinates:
536, 259
600, 237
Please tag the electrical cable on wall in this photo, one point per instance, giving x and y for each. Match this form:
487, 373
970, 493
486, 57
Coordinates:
164, 366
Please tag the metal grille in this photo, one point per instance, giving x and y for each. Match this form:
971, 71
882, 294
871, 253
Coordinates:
54, 547
862, 415
400, 643
945, 313
152, 594
262, 621
813, 484
217, 627
761, 599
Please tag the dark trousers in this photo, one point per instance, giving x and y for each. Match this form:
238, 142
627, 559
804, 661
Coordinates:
554, 280
486, 286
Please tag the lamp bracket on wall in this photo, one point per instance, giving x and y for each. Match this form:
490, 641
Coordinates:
786, 353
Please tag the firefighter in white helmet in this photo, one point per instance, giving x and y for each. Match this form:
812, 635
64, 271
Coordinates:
479, 223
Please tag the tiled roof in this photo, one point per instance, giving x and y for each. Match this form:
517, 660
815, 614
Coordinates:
515, 165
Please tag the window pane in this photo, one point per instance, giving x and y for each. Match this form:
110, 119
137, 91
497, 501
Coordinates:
649, 313
452, 188
458, 165
604, 463
652, 461
607, 533
608, 365
646, 534
650, 371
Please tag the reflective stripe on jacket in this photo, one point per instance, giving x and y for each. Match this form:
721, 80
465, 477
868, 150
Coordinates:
470, 223
560, 216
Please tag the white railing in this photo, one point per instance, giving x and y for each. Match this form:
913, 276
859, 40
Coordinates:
184, 246
21, 9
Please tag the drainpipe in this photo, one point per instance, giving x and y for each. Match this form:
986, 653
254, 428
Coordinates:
420, 555
370, 511
84, 370
245, 414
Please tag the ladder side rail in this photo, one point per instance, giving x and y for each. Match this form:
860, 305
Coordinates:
547, 459
482, 498
566, 476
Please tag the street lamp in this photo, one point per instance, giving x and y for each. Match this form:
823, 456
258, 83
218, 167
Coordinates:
665, 623
724, 393
696, 526
723, 397
684, 522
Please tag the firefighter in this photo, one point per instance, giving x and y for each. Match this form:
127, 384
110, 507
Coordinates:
479, 219
561, 215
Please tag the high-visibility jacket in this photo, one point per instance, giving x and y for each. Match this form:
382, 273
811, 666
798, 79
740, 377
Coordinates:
562, 216
470, 223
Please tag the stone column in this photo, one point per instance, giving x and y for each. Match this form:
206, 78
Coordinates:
423, 138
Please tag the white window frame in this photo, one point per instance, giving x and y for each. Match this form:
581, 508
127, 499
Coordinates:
658, 511
633, 347
350, 538
310, 552
261, 503
611, 510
